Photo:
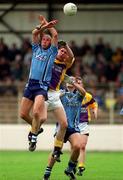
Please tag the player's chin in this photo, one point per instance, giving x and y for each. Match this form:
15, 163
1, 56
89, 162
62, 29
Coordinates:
45, 46
63, 58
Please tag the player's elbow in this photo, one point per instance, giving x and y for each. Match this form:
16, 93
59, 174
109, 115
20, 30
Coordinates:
34, 32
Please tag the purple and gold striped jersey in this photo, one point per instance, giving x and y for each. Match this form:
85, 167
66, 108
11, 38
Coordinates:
58, 72
87, 104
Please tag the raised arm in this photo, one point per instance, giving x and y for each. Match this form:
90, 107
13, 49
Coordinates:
94, 108
52, 30
95, 112
70, 58
40, 28
79, 87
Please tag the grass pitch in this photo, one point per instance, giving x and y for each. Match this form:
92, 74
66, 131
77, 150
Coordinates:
16, 165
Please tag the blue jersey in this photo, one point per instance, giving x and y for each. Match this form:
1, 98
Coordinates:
72, 104
41, 65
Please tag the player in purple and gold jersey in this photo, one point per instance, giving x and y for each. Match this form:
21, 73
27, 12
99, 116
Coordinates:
44, 51
88, 105
64, 61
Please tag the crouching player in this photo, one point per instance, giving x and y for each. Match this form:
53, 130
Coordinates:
71, 100
88, 105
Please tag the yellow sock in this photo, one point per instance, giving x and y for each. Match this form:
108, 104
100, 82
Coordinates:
81, 165
58, 143
31, 129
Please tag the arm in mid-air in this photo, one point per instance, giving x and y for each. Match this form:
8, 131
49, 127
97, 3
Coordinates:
70, 56
95, 109
52, 30
40, 29
79, 87
93, 106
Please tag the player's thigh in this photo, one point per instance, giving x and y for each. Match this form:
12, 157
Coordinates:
74, 140
60, 116
26, 105
40, 106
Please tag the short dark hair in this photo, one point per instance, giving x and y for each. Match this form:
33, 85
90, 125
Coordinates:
61, 44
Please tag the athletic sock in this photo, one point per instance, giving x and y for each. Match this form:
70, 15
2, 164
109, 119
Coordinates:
71, 165
58, 143
34, 138
81, 165
47, 171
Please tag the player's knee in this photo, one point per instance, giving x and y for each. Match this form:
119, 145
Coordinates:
64, 125
83, 146
36, 114
76, 147
39, 117
23, 115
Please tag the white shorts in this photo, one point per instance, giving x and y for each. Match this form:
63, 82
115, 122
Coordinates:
53, 101
84, 128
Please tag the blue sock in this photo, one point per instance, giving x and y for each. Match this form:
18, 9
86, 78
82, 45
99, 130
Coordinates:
71, 165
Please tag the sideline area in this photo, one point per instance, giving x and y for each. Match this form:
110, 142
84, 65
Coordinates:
102, 138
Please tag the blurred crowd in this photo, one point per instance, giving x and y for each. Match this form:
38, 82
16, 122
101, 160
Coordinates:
100, 66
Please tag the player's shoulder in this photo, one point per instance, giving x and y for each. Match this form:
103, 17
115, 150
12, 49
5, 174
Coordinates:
35, 45
53, 48
87, 98
57, 61
70, 62
88, 95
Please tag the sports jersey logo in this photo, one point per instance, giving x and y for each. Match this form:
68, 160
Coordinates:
83, 110
73, 104
57, 68
41, 57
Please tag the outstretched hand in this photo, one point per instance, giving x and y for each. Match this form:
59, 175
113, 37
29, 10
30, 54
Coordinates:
45, 23
50, 24
42, 20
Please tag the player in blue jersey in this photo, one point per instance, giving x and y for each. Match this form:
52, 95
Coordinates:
44, 51
72, 100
